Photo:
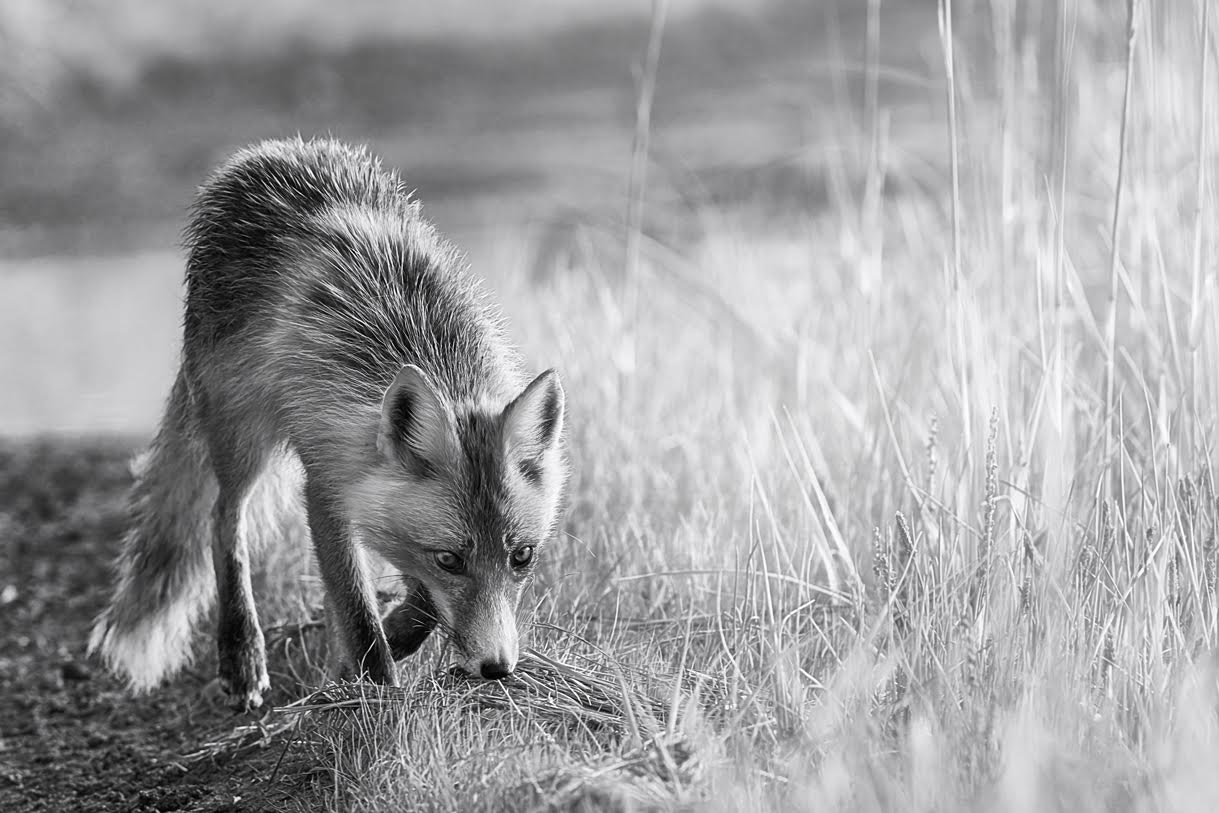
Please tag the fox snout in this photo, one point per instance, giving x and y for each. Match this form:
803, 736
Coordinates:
487, 640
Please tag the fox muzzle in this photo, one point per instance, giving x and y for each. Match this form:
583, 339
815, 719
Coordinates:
489, 644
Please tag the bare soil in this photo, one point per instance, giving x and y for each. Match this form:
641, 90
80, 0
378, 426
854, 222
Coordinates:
71, 738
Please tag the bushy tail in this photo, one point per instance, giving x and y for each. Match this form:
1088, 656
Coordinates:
164, 570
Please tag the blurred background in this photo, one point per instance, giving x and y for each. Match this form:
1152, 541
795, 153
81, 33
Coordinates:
517, 127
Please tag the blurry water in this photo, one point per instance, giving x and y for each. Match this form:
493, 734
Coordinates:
90, 345
87, 345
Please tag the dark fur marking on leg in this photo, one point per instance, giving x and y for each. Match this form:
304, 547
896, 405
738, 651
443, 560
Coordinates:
240, 644
410, 623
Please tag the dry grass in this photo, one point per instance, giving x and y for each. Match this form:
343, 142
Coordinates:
927, 524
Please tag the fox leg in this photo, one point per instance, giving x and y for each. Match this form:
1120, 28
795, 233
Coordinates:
351, 608
242, 649
408, 625
339, 666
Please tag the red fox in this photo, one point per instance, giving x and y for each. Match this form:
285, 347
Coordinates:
332, 337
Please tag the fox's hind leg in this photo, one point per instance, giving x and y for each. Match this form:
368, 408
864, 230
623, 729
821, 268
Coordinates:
238, 461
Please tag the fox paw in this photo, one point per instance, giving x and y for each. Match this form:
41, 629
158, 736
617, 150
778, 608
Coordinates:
246, 685
244, 696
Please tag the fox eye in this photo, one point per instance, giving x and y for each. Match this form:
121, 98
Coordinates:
521, 557
450, 561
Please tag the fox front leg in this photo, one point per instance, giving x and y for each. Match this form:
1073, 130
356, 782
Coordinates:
349, 597
410, 623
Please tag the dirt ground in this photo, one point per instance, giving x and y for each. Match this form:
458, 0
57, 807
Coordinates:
70, 737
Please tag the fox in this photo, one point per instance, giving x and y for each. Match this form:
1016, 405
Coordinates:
343, 370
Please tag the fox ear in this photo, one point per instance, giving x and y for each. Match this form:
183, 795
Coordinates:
533, 423
416, 428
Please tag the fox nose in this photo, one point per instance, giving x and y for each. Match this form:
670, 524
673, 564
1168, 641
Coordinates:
495, 670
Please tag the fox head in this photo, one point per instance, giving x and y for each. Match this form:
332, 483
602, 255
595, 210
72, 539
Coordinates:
462, 501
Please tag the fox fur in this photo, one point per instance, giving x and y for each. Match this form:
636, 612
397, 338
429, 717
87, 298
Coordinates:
340, 369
